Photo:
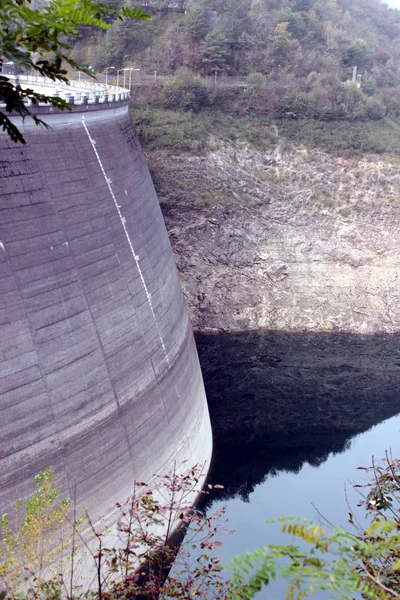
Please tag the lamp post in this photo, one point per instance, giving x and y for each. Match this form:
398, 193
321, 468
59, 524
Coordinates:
107, 68
118, 72
130, 78
125, 69
79, 73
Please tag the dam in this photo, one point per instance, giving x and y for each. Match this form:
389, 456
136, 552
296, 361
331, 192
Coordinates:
99, 374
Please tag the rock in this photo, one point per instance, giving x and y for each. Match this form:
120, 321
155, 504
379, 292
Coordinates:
277, 270
343, 275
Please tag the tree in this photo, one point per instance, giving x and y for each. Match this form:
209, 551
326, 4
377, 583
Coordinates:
194, 22
355, 54
39, 40
33, 541
215, 50
237, 20
281, 40
296, 25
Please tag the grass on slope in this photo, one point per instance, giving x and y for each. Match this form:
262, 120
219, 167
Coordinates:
344, 137
188, 132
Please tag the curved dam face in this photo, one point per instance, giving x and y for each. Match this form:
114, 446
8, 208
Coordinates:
99, 374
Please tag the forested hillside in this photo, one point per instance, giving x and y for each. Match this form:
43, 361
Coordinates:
299, 54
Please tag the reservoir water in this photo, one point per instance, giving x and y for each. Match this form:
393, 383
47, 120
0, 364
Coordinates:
294, 415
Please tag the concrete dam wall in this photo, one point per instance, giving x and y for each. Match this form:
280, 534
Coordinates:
99, 374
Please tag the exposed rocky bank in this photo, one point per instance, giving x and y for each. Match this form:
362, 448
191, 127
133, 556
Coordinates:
289, 239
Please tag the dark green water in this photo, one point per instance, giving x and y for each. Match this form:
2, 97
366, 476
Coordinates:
293, 416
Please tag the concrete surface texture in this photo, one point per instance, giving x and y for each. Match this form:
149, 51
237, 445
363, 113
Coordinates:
99, 374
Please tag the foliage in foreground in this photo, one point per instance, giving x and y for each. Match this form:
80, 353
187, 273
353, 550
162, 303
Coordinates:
39, 548
41, 545
37, 40
365, 561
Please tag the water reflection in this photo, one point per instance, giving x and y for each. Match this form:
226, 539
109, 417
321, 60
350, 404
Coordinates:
279, 400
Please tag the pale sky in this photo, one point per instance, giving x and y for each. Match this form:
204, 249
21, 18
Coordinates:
393, 3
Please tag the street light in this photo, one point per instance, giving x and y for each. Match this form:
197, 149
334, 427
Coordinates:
79, 73
118, 72
130, 78
107, 68
130, 75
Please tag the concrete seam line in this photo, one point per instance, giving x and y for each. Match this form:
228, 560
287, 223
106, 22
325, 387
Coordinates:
123, 223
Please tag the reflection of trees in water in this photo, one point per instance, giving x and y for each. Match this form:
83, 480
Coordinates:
279, 400
241, 469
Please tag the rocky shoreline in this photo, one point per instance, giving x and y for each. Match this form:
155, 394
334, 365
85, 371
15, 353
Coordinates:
287, 239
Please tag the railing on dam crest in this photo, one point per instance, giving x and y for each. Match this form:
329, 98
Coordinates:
76, 93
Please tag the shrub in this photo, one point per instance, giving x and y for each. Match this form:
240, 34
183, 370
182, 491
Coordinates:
365, 560
186, 92
294, 105
40, 545
34, 540
368, 85
344, 136
392, 100
320, 104
226, 98
312, 79
254, 82
350, 101
376, 110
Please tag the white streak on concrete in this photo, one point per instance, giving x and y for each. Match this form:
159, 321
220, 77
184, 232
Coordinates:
123, 223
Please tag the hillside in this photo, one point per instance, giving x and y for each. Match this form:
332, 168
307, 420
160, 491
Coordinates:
298, 53
281, 195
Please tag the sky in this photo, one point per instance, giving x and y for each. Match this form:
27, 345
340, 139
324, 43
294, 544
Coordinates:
393, 3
